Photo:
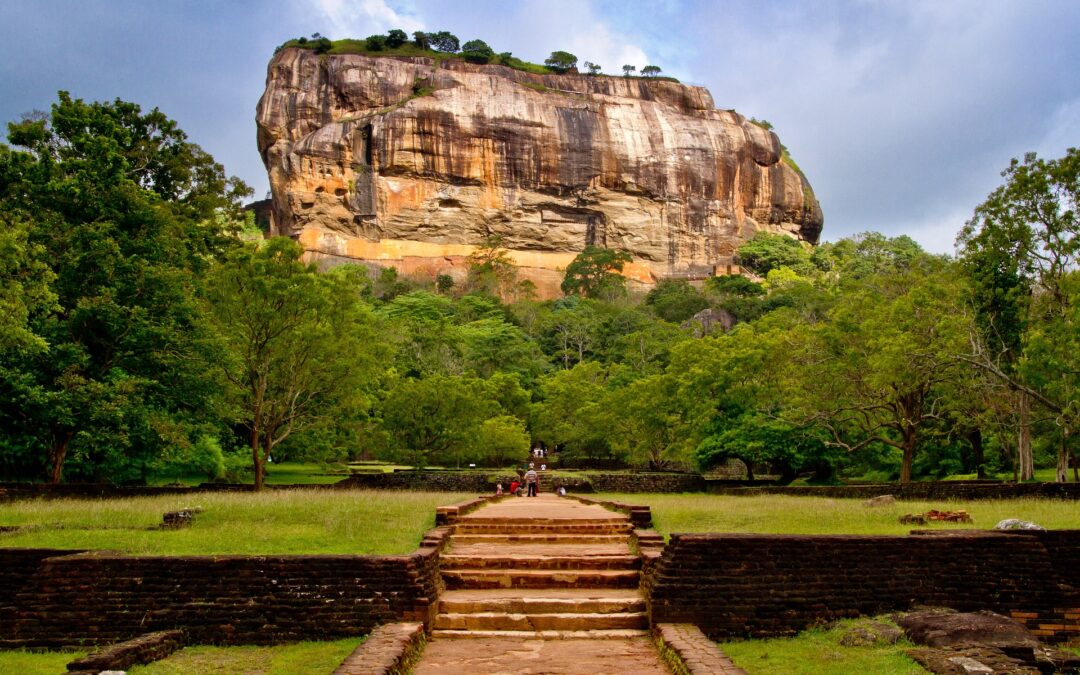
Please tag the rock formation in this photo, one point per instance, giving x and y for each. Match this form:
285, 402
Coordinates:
411, 162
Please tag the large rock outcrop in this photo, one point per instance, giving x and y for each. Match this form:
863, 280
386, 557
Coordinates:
411, 162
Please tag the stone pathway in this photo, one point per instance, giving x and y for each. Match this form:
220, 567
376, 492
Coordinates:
541, 585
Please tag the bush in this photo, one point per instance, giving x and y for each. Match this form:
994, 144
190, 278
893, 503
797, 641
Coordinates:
375, 43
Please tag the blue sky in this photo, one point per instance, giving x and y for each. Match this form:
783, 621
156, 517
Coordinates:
901, 114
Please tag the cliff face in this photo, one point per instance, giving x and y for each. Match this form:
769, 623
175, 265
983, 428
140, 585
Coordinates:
407, 162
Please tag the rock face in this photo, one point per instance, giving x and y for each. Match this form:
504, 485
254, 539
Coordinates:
409, 162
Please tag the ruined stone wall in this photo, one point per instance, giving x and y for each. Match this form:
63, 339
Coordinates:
99, 597
958, 490
767, 585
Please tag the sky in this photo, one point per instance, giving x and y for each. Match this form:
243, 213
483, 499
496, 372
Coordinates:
902, 114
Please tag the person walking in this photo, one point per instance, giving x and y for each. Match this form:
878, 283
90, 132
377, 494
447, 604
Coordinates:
531, 479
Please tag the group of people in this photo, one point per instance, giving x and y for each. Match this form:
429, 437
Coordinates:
530, 486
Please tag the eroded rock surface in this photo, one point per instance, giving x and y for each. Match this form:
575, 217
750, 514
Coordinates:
407, 162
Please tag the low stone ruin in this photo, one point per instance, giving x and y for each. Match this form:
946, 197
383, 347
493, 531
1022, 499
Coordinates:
174, 520
933, 515
954, 643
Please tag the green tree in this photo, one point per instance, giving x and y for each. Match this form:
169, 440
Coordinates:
444, 41
628, 70
765, 252
375, 43
593, 68
299, 347
396, 37
594, 273
422, 39
650, 71
501, 440
645, 421
1021, 249
477, 51
561, 62
118, 215
571, 413
435, 418
675, 301
491, 270
874, 371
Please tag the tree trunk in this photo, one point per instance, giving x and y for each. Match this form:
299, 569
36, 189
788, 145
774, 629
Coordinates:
1061, 475
57, 455
910, 439
974, 438
1023, 440
256, 458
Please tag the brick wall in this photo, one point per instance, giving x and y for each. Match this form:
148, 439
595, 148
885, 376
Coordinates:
440, 481
55, 599
960, 490
760, 585
646, 482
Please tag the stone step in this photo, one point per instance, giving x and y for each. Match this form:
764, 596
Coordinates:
476, 520
608, 634
451, 561
541, 538
508, 578
526, 527
503, 621
543, 601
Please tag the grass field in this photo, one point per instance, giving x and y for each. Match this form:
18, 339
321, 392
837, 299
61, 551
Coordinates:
779, 514
280, 521
299, 658
819, 652
26, 662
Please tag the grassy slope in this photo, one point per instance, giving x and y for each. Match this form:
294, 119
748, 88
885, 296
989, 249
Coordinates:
819, 652
282, 521
27, 662
817, 515
298, 658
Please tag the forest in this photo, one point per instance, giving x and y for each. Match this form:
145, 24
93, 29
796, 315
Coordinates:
147, 328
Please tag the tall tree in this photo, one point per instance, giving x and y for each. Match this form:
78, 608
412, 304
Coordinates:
436, 418
1021, 250
561, 62
872, 373
127, 214
299, 348
595, 273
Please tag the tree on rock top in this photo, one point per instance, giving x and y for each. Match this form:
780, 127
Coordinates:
595, 273
561, 62
396, 37
444, 42
477, 51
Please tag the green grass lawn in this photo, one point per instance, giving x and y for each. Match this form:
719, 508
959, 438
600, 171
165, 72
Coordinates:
298, 658
778, 514
819, 652
26, 662
280, 521
285, 473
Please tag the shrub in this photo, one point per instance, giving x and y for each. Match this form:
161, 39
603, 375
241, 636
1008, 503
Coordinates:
375, 43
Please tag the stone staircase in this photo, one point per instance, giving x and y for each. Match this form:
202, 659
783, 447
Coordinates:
541, 567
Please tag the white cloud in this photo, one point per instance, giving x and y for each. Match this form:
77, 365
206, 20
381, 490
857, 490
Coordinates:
360, 18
